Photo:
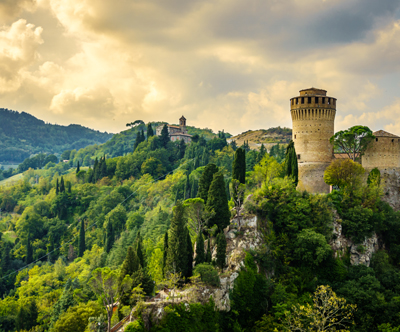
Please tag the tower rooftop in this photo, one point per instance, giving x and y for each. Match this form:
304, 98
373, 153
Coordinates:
382, 133
312, 91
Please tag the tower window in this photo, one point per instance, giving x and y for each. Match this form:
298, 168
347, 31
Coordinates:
392, 140
329, 101
294, 136
297, 101
302, 100
323, 100
298, 157
376, 139
316, 100
309, 100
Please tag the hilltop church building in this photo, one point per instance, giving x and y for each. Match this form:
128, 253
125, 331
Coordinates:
177, 132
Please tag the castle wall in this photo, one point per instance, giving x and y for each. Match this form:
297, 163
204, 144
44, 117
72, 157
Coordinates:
382, 153
311, 177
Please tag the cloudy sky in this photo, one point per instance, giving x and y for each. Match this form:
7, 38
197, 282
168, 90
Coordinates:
224, 64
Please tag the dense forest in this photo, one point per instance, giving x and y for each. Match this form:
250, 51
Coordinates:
102, 229
23, 135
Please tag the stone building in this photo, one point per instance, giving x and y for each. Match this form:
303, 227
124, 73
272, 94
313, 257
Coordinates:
313, 115
177, 132
383, 152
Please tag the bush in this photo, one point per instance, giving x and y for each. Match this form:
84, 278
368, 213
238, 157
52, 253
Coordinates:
208, 274
358, 223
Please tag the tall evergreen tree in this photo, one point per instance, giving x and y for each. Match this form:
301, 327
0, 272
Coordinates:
57, 187
103, 168
77, 168
140, 250
177, 242
62, 185
189, 246
187, 187
200, 254
196, 162
218, 202
109, 237
262, 152
233, 145
82, 245
208, 253
239, 166
29, 250
69, 187
95, 170
165, 253
164, 138
129, 267
90, 178
205, 181
181, 149
193, 189
150, 131
291, 167
204, 158
221, 250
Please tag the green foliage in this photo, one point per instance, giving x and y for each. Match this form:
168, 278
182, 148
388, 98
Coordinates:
82, 245
311, 248
177, 242
358, 223
353, 141
218, 202
344, 173
221, 250
291, 167
239, 166
208, 274
205, 181
22, 135
200, 253
374, 177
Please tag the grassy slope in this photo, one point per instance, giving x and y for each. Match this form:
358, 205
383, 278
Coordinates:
11, 180
268, 137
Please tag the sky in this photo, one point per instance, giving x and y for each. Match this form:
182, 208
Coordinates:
223, 64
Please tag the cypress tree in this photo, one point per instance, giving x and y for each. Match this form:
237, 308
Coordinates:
164, 138
62, 186
165, 253
205, 181
29, 250
177, 242
189, 246
95, 170
262, 152
204, 159
193, 189
82, 245
103, 168
291, 167
109, 237
208, 253
77, 168
69, 186
196, 163
200, 254
221, 250
218, 202
139, 250
57, 188
150, 131
129, 267
239, 166
187, 187
181, 149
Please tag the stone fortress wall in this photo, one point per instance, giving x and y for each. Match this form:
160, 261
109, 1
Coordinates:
313, 116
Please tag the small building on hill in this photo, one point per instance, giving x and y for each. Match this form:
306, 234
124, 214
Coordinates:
177, 132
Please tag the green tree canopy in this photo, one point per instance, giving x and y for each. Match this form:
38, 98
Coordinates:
353, 141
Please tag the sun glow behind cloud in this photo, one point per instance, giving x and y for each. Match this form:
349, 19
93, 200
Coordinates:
224, 64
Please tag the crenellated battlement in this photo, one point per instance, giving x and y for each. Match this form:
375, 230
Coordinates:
313, 114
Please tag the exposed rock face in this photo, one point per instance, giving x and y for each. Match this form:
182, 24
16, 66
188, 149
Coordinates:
221, 295
360, 253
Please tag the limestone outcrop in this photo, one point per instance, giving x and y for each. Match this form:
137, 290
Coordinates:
360, 253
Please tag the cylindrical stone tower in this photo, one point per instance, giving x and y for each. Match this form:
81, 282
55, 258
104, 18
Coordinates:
313, 116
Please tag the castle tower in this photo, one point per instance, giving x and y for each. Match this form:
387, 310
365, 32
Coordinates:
182, 124
313, 115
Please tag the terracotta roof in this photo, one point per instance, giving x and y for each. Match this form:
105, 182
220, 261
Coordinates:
341, 156
382, 133
174, 126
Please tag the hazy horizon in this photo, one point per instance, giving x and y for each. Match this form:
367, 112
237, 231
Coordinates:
228, 65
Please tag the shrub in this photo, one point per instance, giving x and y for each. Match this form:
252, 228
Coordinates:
208, 274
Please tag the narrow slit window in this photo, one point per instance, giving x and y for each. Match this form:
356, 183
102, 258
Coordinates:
316, 100
297, 101
302, 100
323, 100
298, 157
309, 100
